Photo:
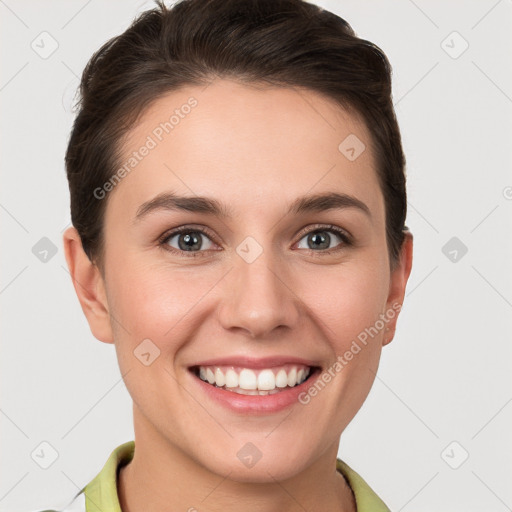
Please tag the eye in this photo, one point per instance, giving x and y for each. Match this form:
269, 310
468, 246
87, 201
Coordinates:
186, 239
190, 241
319, 240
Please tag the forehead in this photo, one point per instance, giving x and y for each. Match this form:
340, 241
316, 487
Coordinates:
246, 145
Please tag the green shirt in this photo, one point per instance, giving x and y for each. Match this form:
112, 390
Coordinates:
100, 495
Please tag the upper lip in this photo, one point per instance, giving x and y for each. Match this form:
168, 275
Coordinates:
252, 362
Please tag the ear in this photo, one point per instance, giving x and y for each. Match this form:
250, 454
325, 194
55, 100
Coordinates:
398, 282
89, 286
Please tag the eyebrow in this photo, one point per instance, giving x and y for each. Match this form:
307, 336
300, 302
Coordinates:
169, 201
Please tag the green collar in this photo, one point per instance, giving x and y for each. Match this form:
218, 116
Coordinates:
101, 492
366, 499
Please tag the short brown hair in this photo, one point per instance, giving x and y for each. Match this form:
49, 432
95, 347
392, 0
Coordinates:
276, 42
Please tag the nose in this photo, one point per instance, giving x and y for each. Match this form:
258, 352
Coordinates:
259, 298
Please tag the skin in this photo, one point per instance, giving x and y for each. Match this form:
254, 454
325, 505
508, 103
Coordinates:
255, 149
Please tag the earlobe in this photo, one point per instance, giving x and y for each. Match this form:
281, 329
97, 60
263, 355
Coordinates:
398, 282
89, 286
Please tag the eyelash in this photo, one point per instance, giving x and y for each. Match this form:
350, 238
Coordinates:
164, 239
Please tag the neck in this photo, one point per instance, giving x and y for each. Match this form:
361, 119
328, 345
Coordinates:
162, 477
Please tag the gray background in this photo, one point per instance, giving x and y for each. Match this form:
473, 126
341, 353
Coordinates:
443, 391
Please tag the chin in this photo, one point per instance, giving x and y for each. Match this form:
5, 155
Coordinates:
258, 462
262, 472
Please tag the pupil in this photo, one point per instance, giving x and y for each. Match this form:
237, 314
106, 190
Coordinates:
322, 239
190, 242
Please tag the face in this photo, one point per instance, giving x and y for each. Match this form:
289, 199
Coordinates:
217, 326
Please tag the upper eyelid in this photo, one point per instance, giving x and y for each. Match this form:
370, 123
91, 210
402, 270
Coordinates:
178, 230
324, 227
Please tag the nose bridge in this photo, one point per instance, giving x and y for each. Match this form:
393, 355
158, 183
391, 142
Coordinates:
259, 299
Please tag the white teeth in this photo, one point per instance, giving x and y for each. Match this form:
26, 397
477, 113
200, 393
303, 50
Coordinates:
292, 377
247, 379
220, 380
210, 377
266, 380
281, 379
231, 379
254, 382
241, 391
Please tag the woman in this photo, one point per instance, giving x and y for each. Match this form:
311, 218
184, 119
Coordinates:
238, 205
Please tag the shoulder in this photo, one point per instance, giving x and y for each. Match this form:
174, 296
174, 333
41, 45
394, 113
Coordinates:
101, 491
366, 498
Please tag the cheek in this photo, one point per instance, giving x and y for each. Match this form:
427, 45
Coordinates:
156, 301
347, 299
346, 303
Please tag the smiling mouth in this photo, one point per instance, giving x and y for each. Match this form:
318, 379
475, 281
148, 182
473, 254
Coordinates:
250, 381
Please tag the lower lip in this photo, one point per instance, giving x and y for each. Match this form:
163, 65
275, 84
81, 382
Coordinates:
255, 404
